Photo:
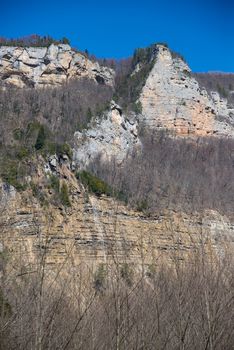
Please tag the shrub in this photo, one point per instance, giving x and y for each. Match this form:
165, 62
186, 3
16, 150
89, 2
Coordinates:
65, 40
61, 195
22, 152
221, 90
50, 149
151, 272
12, 173
64, 148
93, 183
5, 307
64, 196
41, 138
18, 134
54, 183
137, 107
175, 54
142, 205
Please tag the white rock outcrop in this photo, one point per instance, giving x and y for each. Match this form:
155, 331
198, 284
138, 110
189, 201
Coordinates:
40, 66
112, 136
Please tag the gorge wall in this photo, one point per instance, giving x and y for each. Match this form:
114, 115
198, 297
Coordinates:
98, 230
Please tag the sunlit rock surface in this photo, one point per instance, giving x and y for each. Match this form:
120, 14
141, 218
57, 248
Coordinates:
40, 66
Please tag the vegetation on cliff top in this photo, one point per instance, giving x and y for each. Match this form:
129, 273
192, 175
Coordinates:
130, 84
33, 40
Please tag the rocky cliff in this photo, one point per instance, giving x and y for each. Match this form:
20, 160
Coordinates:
173, 99
41, 66
100, 229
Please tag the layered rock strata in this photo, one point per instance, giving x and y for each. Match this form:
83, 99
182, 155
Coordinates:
100, 230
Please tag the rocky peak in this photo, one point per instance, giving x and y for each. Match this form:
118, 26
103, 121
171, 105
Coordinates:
41, 66
171, 98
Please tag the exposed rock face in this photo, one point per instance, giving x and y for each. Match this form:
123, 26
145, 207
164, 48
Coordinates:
95, 229
112, 136
35, 66
100, 229
173, 99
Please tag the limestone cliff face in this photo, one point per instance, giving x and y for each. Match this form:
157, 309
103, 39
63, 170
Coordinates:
41, 66
101, 229
114, 135
171, 98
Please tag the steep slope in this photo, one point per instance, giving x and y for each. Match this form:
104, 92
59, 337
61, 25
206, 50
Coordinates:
41, 66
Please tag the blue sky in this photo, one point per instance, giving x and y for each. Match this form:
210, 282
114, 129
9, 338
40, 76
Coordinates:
201, 30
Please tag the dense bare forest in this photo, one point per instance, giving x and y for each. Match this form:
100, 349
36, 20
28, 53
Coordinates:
63, 110
223, 83
174, 173
118, 306
44, 121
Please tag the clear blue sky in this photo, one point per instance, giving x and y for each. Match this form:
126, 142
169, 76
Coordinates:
201, 30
